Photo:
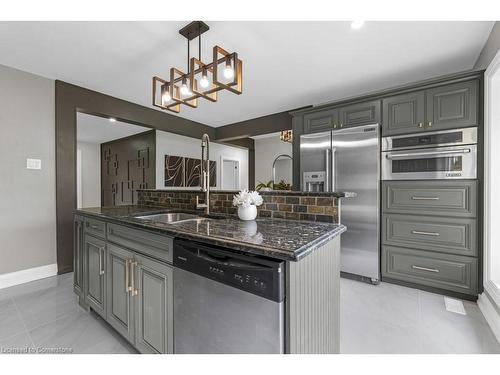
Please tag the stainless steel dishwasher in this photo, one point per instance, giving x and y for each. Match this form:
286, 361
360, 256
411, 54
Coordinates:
226, 302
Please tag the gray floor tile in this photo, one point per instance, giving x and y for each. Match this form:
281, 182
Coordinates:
17, 344
11, 323
392, 319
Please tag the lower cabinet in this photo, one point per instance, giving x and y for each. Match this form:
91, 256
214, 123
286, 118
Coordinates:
154, 306
120, 309
94, 252
139, 300
133, 292
78, 256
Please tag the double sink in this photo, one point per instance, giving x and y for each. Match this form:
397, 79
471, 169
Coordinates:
178, 217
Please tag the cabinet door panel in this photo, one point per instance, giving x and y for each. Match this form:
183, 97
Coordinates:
78, 256
94, 277
320, 121
120, 307
452, 106
359, 114
403, 114
154, 316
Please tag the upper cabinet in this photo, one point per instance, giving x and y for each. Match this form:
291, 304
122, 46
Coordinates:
452, 106
320, 121
404, 113
359, 114
444, 107
352, 115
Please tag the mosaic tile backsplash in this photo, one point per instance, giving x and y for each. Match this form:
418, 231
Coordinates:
283, 205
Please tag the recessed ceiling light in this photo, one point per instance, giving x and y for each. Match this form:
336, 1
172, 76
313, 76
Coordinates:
111, 119
357, 24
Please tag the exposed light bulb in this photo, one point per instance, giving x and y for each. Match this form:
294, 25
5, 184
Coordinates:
204, 81
228, 71
185, 90
358, 24
166, 97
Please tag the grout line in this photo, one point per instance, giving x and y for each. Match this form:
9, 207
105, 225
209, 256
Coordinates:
24, 323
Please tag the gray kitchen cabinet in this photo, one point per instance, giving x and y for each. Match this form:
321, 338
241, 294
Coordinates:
96, 228
94, 274
452, 106
444, 271
359, 114
431, 233
403, 113
120, 304
153, 291
443, 107
320, 121
434, 197
78, 256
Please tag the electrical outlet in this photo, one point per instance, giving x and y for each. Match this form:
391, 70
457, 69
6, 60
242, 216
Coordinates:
33, 164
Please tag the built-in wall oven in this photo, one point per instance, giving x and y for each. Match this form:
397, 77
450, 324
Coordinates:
447, 154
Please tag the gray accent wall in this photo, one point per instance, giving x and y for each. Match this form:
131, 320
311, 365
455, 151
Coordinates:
490, 49
27, 197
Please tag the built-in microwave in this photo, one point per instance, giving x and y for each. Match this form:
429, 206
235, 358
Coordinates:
447, 154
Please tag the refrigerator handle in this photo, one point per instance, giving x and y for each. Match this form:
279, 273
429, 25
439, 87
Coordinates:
332, 169
327, 169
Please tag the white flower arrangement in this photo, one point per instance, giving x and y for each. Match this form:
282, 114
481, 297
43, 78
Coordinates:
247, 198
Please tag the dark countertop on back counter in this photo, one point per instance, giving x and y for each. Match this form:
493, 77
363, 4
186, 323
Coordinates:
334, 194
277, 238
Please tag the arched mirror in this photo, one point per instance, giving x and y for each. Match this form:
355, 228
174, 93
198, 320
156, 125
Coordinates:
282, 172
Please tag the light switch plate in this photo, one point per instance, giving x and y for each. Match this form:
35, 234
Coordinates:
33, 164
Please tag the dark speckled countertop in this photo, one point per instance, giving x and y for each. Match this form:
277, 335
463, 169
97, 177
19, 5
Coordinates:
276, 238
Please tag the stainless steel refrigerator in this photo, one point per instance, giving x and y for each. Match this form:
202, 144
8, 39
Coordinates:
348, 160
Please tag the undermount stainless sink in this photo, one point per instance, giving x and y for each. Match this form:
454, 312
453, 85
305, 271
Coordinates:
171, 218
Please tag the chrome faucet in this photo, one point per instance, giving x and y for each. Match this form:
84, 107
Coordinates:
205, 174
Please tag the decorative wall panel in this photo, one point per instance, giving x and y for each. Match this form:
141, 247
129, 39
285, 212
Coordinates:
183, 171
127, 165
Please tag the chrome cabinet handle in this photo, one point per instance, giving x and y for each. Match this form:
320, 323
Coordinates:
425, 268
101, 263
133, 291
420, 125
94, 227
127, 276
432, 153
425, 233
415, 198
429, 124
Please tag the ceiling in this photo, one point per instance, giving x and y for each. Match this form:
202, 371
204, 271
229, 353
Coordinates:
95, 129
286, 64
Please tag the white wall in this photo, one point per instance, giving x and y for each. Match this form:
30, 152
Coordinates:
178, 145
27, 197
266, 150
89, 181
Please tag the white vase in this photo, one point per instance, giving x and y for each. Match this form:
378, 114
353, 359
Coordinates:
247, 213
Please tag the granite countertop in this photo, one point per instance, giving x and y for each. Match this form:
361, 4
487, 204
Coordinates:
334, 194
277, 238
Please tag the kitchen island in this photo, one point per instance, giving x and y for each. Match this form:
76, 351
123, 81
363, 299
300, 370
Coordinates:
126, 270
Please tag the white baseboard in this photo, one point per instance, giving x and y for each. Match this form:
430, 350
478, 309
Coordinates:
25, 276
490, 314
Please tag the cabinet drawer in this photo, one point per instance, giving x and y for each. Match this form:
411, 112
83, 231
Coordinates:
451, 272
448, 235
95, 227
453, 198
319, 121
151, 244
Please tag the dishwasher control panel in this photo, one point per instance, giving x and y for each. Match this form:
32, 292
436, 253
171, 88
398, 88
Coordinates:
256, 275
